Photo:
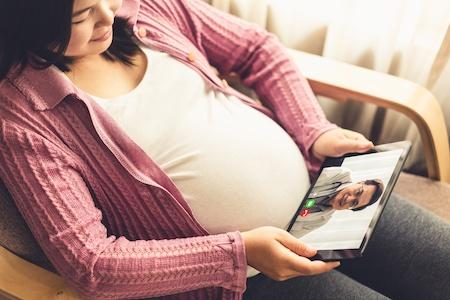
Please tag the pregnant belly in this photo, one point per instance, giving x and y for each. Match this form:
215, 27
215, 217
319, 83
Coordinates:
236, 168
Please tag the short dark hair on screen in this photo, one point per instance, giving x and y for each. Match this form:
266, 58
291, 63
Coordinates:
37, 33
379, 187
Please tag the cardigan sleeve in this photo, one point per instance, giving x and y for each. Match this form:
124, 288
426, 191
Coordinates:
234, 45
49, 191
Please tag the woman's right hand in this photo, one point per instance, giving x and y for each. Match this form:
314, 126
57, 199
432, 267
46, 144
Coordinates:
281, 256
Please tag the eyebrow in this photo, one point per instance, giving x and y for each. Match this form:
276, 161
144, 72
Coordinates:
81, 11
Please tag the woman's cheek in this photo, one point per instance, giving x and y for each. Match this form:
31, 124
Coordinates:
78, 43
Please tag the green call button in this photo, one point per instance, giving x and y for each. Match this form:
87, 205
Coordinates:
310, 203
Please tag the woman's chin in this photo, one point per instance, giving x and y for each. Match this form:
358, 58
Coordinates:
103, 47
92, 52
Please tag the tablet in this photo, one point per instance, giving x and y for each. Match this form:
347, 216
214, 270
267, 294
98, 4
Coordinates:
341, 209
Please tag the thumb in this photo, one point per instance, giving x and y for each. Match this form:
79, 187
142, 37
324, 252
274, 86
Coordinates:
348, 145
364, 145
296, 246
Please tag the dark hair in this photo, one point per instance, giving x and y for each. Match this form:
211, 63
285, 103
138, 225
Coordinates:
38, 33
379, 187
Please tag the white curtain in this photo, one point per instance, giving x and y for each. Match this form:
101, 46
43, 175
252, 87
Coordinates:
405, 38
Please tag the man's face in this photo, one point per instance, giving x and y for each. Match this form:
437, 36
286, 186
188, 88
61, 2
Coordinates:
353, 196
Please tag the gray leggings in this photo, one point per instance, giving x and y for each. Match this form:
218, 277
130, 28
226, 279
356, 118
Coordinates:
408, 257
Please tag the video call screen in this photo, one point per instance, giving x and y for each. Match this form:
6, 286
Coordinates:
344, 200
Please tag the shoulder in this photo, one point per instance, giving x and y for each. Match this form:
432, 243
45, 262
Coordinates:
12, 99
336, 170
334, 174
16, 105
27, 107
184, 11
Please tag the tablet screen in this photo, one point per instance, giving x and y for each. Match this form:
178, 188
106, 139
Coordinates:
340, 208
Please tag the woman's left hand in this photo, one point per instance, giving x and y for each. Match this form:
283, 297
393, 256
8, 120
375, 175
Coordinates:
337, 142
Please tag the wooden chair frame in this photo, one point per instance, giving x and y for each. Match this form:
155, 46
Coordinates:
20, 279
343, 81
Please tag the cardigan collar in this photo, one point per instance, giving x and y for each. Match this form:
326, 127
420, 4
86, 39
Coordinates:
34, 85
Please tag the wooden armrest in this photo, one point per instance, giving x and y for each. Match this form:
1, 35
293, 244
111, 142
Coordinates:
20, 279
343, 81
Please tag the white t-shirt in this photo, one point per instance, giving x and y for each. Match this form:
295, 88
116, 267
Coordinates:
236, 167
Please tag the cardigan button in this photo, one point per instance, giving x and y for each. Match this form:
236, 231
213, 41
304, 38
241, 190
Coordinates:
191, 56
225, 83
142, 32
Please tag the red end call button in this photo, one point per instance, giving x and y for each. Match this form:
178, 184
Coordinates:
304, 212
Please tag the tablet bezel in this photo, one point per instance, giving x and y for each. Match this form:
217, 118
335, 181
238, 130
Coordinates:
341, 254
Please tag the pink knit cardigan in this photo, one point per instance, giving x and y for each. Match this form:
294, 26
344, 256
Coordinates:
110, 221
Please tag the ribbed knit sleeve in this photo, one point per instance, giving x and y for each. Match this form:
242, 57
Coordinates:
56, 203
234, 45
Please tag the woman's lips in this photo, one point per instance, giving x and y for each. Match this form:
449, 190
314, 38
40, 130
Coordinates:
104, 37
342, 200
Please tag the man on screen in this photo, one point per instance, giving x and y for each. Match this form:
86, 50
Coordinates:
334, 190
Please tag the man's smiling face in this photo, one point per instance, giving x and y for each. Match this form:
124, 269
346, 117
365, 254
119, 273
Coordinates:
353, 196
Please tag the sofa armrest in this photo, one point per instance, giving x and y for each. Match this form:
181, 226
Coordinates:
20, 279
343, 81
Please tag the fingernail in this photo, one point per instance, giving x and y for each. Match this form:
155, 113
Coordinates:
312, 252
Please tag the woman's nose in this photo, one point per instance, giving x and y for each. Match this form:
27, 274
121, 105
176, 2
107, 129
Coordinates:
107, 12
350, 198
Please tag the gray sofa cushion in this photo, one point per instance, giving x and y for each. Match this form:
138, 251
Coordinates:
15, 234
432, 195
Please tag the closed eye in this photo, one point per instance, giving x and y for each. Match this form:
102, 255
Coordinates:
360, 191
79, 22
84, 15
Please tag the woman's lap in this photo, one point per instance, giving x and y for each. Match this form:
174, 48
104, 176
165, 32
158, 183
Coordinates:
332, 285
407, 258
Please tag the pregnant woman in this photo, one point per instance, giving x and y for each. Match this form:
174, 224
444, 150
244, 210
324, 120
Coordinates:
140, 172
